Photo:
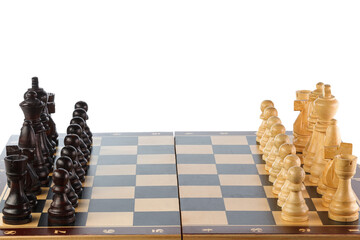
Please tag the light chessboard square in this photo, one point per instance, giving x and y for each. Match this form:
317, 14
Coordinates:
239, 180
246, 204
234, 159
197, 169
113, 192
110, 219
118, 150
156, 180
103, 170
200, 192
204, 218
229, 140
156, 140
194, 149
156, 159
156, 205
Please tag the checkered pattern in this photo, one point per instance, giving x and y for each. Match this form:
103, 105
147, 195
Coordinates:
131, 182
223, 182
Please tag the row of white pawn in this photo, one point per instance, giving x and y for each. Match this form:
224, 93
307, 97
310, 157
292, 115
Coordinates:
287, 176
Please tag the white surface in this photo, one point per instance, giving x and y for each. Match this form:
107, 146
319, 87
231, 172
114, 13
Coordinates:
179, 65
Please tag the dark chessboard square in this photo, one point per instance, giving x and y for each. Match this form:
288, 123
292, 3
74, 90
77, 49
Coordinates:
2, 203
95, 150
312, 192
265, 180
250, 218
231, 149
195, 158
91, 170
156, 149
156, 192
193, 140
243, 192
116, 159
202, 204
273, 204
81, 218
86, 193
199, 180
251, 140
43, 221
143, 169
310, 204
39, 206
327, 221
119, 141
258, 158
236, 169
156, 218
114, 180
111, 205
50, 194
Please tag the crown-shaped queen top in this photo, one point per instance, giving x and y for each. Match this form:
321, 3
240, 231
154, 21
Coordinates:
31, 106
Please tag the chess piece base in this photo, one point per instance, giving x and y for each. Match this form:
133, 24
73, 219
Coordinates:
17, 220
339, 218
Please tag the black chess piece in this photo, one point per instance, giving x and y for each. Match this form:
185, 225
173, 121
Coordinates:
74, 140
51, 109
84, 136
29, 176
82, 104
76, 129
27, 145
80, 112
51, 148
71, 152
17, 208
32, 108
43, 96
67, 164
61, 211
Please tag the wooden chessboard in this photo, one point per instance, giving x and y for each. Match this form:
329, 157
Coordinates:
209, 185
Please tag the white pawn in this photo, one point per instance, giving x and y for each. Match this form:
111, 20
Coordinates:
295, 208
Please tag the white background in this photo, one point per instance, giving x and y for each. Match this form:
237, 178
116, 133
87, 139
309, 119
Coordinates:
179, 65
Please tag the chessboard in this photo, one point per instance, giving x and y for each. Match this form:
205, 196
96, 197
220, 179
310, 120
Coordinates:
190, 185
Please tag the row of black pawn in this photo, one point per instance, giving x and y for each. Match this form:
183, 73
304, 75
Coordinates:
71, 168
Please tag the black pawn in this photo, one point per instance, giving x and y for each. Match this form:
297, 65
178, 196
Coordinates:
76, 129
67, 164
84, 136
82, 104
71, 152
17, 208
61, 211
74, 140
80, 112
